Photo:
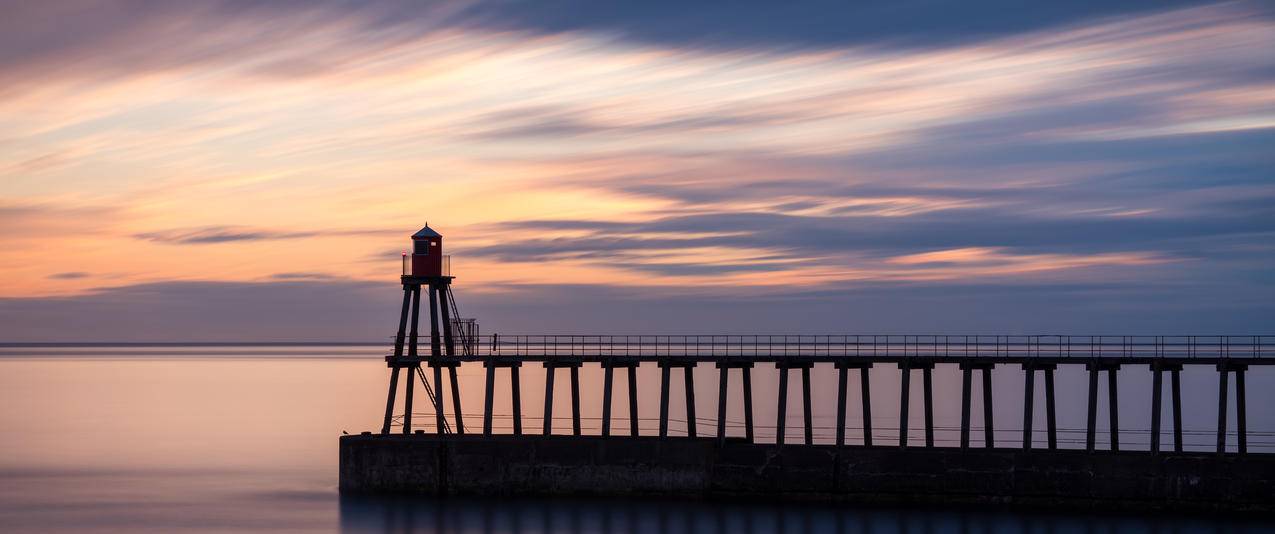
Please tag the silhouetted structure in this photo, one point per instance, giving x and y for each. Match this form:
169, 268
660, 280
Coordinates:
1229, 355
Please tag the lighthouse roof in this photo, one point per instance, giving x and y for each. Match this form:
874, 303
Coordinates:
426, 232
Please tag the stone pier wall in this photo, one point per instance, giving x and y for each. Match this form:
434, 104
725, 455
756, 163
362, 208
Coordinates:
703, 468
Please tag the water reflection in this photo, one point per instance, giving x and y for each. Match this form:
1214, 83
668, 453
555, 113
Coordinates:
607, 516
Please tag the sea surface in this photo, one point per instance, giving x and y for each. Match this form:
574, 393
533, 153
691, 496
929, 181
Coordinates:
244, 438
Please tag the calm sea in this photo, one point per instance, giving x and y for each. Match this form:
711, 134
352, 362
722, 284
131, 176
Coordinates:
222, 438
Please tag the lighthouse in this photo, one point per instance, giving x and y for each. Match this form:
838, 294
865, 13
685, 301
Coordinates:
428, 270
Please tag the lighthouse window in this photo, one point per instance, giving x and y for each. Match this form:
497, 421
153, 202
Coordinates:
421, 247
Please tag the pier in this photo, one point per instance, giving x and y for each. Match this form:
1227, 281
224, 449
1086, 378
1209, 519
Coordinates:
677, 460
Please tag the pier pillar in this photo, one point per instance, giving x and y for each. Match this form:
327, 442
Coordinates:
989, 438
548, 422
841, 406
724, 368
906, 373
843, 368
608, 376
574, 369
517, 399
1157, 386
965, 407
781, 413
1175, 378
437, 365
1113, 404
927, 384
781, 416
805, 395
1113, 407
1029, 396
691, 420
1050, 420
1241, 426
748, 402
866, 393
688, 367
489, 397
664, 383
575, 400
905, 370
967, 393
389, 403
633, 407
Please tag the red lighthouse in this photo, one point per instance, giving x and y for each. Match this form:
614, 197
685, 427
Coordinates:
427, 270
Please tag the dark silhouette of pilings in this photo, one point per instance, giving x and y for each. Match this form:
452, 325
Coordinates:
442, 356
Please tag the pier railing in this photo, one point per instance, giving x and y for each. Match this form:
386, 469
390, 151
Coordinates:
954, 348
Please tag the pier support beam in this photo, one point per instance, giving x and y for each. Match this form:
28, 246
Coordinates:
781, 415
490, 365
1029, 395
1241, 426
688, 367
905, 371
967, 376
550, 367
724, 368
843, 368
1113, 404
633, 405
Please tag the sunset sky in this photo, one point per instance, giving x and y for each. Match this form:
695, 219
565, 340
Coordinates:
243, 171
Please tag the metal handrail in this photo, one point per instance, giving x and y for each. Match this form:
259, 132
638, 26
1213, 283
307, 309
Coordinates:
1234, 347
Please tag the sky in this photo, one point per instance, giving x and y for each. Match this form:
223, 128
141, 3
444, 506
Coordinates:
240, 171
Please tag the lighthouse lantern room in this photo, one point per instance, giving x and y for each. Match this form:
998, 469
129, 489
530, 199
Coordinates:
427, 258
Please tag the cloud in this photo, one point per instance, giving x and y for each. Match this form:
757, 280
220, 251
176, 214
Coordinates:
229, 234
70, 275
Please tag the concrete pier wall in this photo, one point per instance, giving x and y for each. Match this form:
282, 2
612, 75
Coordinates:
703, 468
